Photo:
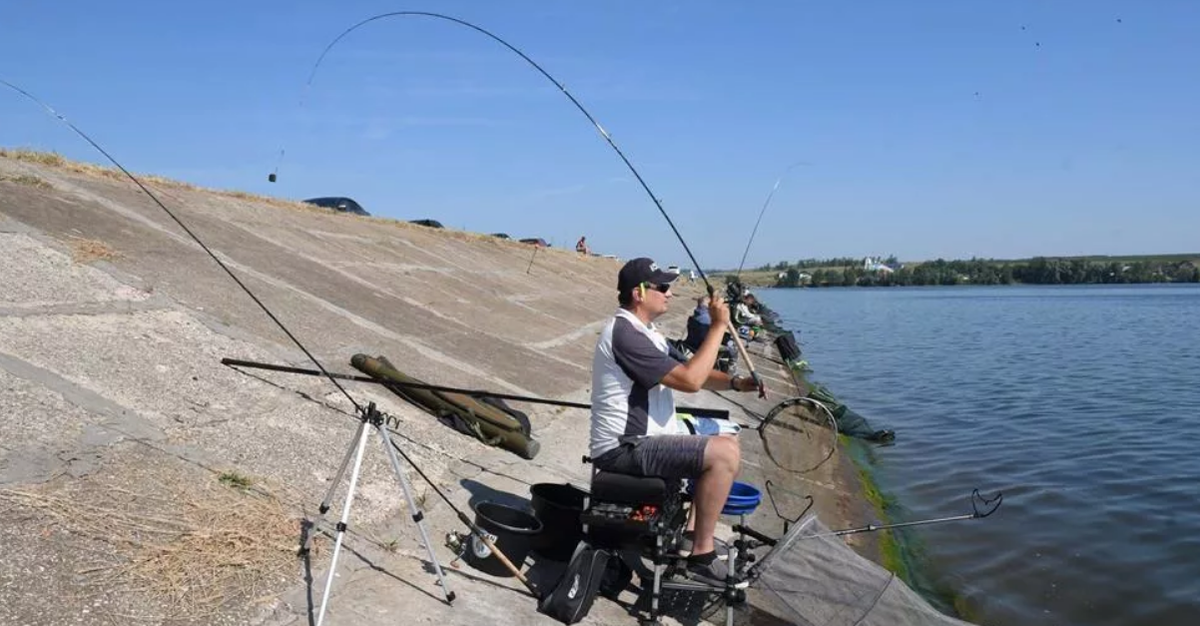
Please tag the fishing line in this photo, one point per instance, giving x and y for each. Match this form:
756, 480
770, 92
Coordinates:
272, 177
55, 114
461, 516
763, 212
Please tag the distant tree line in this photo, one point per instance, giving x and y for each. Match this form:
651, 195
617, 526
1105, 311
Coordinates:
1036, 271
807, 263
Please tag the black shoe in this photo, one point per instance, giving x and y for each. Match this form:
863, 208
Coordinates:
711, 571
688, 540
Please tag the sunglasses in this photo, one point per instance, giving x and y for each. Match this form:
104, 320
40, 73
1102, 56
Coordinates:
662, 288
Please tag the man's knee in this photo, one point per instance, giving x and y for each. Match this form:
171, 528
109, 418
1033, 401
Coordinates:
723, 453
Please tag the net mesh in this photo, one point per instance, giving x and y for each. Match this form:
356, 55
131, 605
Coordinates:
799, 435
812, 578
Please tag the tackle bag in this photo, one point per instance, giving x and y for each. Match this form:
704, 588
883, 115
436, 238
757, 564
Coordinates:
788, 350
572, 598
520, 416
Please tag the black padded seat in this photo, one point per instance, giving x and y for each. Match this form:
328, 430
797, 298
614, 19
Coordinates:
629, 489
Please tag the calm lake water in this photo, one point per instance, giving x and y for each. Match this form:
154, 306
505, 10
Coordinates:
1080, 403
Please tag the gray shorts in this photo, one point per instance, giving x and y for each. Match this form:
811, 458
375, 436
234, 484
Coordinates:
666, 456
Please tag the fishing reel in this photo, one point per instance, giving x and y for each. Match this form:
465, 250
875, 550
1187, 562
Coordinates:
458, 544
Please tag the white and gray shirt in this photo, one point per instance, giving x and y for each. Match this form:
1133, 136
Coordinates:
628, 400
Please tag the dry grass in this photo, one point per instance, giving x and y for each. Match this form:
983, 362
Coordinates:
26, 179
191, 548
53, 159
88, 250
154, 182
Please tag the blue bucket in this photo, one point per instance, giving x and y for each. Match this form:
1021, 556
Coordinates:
743, 498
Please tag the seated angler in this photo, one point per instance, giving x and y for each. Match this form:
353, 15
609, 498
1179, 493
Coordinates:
634, 429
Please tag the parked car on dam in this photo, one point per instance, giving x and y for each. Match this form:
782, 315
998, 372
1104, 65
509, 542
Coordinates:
338, 203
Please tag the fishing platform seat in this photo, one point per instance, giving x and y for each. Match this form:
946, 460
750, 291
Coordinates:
640, 518
626, 511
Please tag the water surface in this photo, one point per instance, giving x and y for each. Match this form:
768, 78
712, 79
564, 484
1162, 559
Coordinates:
1080, 403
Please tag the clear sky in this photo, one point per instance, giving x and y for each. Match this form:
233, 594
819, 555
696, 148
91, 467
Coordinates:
938, 128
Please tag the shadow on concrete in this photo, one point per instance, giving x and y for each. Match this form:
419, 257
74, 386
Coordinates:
732, 398
483, 493
308, 529
688, 608
461, 568
299, 393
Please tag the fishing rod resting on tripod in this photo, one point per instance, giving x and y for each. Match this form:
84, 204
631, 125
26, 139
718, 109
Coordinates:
366, 413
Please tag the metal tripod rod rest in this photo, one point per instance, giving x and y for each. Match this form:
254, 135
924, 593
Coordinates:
370, 418
390, 445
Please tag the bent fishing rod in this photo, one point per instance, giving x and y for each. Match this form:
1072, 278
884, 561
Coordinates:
58, 116
360, 409
762, 212
273, 176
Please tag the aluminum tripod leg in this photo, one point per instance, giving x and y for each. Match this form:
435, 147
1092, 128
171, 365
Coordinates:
341, 527
337, 480
418, 516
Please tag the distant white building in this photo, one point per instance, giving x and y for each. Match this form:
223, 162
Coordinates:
875, 265
803, 277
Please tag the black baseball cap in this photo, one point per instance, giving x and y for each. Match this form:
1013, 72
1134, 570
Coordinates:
643, 270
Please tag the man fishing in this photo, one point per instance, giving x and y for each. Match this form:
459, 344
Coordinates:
634, 429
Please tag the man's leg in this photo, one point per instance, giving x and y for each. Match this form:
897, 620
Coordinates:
722, 459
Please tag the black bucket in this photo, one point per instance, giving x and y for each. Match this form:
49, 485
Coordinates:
514, 531
558, 508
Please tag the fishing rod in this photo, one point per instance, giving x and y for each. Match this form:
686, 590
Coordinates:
771, 195
479, 393
55, 114
531, 258
977, 499
360, 409
273, 176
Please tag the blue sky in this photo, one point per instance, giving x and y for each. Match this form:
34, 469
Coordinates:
951, 128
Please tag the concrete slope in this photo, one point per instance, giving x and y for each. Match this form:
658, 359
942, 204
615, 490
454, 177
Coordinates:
145, 481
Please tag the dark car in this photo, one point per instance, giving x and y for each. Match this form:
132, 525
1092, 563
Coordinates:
345, 205
501, 236
429, 223
537, 241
